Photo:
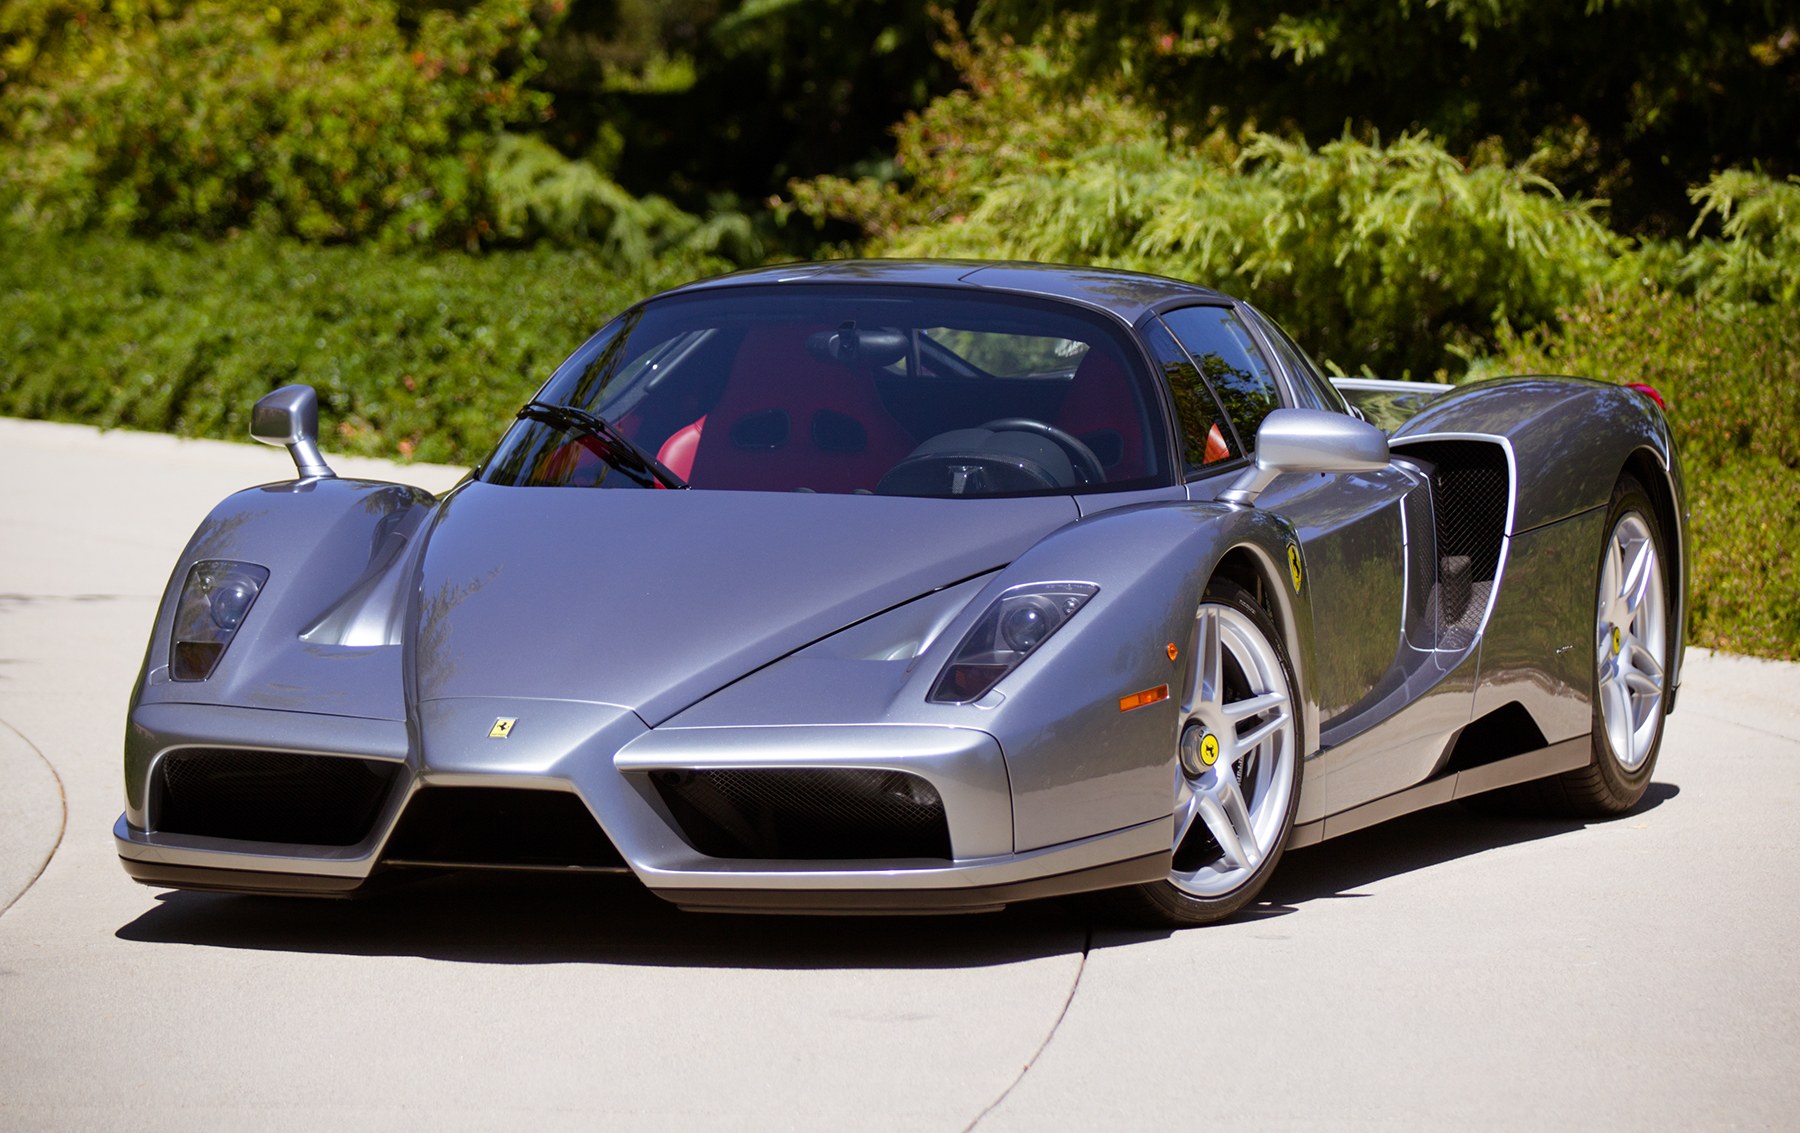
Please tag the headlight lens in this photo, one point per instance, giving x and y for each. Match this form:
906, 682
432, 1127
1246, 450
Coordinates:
214, 602
1013, 627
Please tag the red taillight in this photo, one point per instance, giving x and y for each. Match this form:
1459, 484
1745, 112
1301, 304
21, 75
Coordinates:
1649, 392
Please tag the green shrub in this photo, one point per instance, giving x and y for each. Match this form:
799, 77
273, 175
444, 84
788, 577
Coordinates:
326, 119
419, 355
1731, 377
1756, 257
1393, 258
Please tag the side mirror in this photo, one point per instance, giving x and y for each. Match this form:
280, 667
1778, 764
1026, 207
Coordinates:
1308, 440
289, 416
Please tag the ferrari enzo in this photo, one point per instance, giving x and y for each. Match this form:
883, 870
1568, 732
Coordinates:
918, 586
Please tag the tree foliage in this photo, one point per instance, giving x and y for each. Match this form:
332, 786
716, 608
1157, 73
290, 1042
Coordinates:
1732, 381
1626, 100
326, 119
1394, 256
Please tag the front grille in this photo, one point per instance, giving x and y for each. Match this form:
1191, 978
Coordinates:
269, 796
807, 814
500, 826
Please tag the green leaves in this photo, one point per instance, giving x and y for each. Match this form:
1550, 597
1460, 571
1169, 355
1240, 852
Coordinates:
321, 119
1732, 381
416, 355
1396, 258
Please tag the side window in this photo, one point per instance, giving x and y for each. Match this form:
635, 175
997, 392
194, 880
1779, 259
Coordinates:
1227, 356
1301, 365
1206, 436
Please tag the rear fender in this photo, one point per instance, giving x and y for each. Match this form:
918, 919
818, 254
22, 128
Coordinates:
1572, 439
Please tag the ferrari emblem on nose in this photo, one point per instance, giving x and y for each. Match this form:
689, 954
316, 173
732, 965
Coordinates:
502, 728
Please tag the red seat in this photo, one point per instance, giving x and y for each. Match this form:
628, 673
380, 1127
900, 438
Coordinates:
788, 420
677, 453
1102, 410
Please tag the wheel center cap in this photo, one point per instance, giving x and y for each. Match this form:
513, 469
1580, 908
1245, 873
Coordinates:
1618, 639
1199, 749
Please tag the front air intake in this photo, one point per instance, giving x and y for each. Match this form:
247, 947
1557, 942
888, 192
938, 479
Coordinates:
500, 827
268, 796
806, 814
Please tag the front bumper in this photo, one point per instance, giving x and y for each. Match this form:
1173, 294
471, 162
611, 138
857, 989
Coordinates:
605, 757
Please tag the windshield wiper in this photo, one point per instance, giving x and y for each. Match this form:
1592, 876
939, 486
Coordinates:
618, 450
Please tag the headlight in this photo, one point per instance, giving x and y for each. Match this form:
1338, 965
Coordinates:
1013, 627
214, 602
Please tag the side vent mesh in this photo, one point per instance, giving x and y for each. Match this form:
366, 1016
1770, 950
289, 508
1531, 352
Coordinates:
1470, 490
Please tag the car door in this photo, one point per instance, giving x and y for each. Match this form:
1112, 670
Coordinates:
1354, 535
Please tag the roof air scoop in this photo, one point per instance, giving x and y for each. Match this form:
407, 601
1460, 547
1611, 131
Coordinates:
289, 416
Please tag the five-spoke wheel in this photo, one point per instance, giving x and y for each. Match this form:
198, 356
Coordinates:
1631, 641
1237, 765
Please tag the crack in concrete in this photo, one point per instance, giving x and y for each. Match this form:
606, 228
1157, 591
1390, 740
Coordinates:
62, 821
1087, 946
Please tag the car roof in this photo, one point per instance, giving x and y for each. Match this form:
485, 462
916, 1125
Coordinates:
1128, 295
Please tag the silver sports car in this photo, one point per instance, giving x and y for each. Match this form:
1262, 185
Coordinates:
899, 586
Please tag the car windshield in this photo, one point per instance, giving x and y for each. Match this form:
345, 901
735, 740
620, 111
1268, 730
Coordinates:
882, 390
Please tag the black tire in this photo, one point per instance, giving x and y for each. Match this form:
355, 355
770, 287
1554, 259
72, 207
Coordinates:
1167, 903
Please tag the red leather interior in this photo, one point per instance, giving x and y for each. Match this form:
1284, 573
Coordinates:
774, 375
1101, 400
678, 451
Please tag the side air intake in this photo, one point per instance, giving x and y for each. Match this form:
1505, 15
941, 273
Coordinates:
807, 814
268, 796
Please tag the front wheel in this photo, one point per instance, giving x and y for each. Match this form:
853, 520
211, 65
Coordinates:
1236, 767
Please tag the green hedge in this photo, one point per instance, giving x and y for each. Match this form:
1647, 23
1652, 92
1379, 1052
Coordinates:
425, 356
416, 356
1731, 377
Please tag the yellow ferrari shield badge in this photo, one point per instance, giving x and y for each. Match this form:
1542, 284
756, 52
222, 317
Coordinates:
502, 727
1294, 565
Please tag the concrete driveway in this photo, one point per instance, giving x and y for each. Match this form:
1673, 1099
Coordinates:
1442, 970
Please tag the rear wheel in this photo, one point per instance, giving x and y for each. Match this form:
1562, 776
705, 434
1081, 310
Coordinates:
1632, 639
1237, 766
1631, 659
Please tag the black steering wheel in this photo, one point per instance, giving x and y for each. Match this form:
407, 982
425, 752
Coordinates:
1087, 465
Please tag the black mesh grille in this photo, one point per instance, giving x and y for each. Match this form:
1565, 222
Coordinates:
266, 796
807, 814
499, 826
1469, 493
1469, 490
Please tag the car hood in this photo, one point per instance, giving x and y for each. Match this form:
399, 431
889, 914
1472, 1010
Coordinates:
651, 600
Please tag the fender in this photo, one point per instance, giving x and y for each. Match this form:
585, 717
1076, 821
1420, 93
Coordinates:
1538, 415
1079, 764
1556, 480
322, 540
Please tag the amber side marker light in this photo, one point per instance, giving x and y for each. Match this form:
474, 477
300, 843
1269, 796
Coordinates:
1139, 699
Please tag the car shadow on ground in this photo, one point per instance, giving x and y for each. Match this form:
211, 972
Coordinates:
546, 919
